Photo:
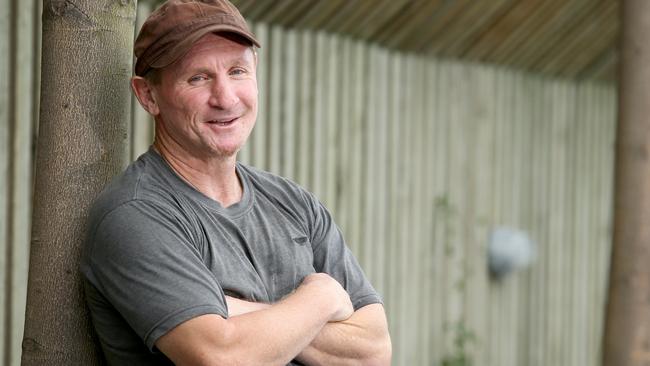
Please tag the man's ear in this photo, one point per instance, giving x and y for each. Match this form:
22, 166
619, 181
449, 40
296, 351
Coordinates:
145, 94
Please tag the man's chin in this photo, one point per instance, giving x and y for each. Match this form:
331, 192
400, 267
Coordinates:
225, 153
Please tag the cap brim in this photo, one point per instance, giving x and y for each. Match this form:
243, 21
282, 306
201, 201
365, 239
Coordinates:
182, 47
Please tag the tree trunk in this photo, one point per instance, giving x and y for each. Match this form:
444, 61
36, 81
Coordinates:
627, 330
86, 65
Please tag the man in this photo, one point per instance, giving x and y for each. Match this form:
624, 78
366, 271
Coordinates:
195, 259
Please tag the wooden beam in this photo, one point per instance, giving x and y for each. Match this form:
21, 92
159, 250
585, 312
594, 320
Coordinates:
627, 334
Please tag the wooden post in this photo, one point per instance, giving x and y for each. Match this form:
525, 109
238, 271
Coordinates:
85, 104
142, 123
627, 329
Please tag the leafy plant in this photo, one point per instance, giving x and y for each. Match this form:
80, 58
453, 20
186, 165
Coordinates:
463, 338
444, 213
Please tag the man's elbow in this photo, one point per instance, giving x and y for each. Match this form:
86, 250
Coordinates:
381, 354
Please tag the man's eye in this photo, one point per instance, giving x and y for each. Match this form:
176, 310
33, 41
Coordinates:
197, 78
237, 71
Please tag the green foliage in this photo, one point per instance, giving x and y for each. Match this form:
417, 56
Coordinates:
444, 215
463, 338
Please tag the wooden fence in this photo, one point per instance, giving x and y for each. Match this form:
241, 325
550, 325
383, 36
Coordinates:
19, 95
418, 159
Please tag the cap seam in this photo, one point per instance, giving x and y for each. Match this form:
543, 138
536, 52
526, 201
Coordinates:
200, 20
199, 8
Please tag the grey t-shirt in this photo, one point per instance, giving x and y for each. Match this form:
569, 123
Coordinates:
159, 253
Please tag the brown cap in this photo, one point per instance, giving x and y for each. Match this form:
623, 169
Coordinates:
171, 30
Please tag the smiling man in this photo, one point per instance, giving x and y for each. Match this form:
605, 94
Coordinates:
195, 259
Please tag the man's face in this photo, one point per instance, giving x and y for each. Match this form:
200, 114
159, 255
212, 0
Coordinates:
207, 100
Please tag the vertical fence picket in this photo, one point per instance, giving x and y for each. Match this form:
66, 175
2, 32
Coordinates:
6, 34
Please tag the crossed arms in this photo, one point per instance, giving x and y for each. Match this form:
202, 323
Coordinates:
316, 324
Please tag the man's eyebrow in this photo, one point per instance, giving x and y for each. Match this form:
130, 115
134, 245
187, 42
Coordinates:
191, 71
243, 60
238, 61
200, 70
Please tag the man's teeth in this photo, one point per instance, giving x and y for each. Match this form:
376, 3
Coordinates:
222, 123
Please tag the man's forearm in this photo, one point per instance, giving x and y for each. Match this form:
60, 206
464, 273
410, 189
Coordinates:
362, 339
271, 319
239, 307
272, 336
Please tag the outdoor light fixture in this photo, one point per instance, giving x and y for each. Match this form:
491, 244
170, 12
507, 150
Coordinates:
509, 250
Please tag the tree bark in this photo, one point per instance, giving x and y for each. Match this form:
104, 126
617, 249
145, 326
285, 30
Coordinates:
86, 65
626, 340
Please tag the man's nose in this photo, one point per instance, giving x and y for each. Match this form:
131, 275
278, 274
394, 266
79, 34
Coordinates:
223, 94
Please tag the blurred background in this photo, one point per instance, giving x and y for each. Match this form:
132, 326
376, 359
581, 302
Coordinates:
443, 136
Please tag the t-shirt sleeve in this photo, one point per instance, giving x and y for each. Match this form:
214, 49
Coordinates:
146, 263
332, 256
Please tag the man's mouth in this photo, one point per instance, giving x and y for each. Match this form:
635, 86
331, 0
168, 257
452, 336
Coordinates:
222, 121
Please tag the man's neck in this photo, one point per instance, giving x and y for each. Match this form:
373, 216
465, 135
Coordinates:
216, 178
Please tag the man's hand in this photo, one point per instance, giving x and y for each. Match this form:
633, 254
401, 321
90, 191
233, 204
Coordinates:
330, 287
